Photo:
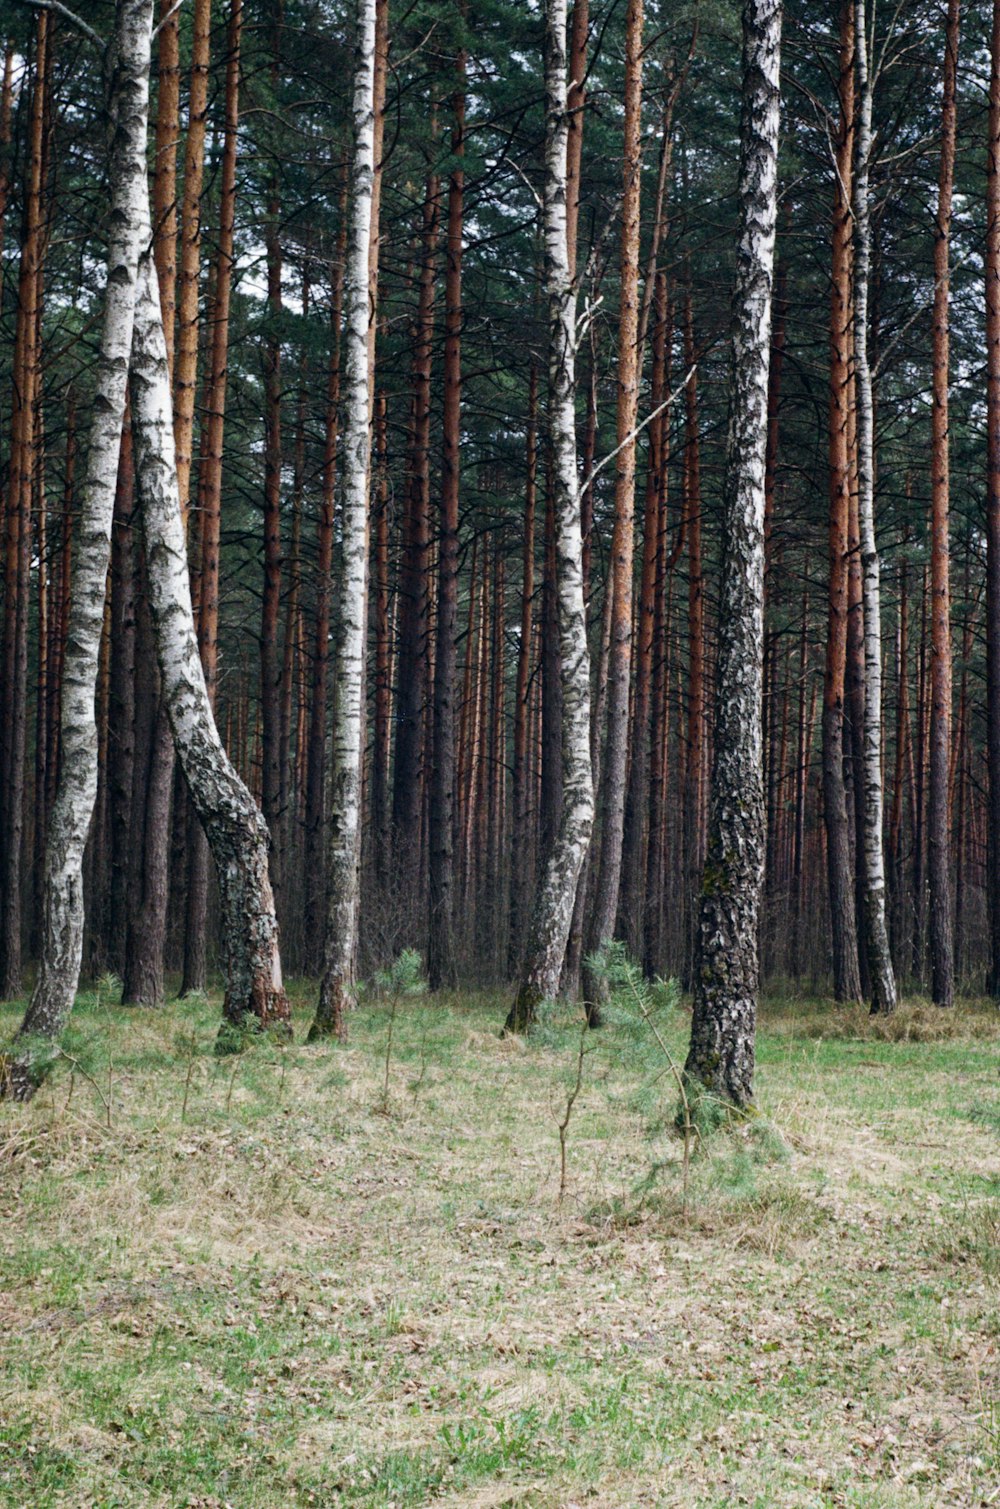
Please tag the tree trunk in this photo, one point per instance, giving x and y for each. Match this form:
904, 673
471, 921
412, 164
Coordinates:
409, 773
315, 836
882, 979
521, 793
348, 734
554, 902
992, 271
441, 964
255, 997
843, 923
59, 968
721, 1055
614, 773
939, 805
210, 495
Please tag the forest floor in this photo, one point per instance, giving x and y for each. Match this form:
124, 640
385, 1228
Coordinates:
256, 1282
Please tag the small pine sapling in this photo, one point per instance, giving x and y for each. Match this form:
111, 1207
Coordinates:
403, 979
639, 1009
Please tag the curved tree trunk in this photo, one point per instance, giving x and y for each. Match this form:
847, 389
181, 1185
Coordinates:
721, 1055
553, 911
59, 970
348, 732
236, 831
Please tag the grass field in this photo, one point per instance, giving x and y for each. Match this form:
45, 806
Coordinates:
257, 1282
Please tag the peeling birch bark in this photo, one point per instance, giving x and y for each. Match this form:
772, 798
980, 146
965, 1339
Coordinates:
882, 979
554, 902
348, 732
62, 937
234, 826
727, 965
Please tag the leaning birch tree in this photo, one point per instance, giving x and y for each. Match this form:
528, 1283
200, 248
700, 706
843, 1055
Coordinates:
727, 974
127, 68
348, 742
882, 978
237, 834
553, 909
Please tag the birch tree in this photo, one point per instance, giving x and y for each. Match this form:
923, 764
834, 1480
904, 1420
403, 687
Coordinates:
727, 967
234, 826
345, 793
882, 979
553, 910
127, 65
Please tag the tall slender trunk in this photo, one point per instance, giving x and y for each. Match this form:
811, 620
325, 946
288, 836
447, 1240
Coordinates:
17, 568
413, 662
992, 272
348, 735
721, 1054
122, 700
939, 805
843, 923
520, 791
695, 751
59, 968
383, 664
441, 964
553, 912
270, 661
186, 363
614, 773
315, 836
210, 492
882, 979
168, 130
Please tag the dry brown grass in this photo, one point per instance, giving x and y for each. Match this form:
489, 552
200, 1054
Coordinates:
300, 1301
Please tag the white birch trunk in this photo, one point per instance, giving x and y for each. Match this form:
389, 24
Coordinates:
883, 982
727, 965
62, 939
234, 826
348, 731
553, 910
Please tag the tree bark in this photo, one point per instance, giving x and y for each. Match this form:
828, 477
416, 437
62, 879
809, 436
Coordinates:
348, 735
939, 805
210, 493
59, 968
441, 964
615, 764
721, 1055
882, 979
237, 834
992, 273
553, 911
843, 922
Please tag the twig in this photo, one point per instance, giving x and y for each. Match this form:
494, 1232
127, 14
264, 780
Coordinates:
606, 461
570, 1102
165, 19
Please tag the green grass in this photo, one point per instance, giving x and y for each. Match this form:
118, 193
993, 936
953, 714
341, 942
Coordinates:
299, 1294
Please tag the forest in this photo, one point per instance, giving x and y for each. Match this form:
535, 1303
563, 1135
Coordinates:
499, 752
